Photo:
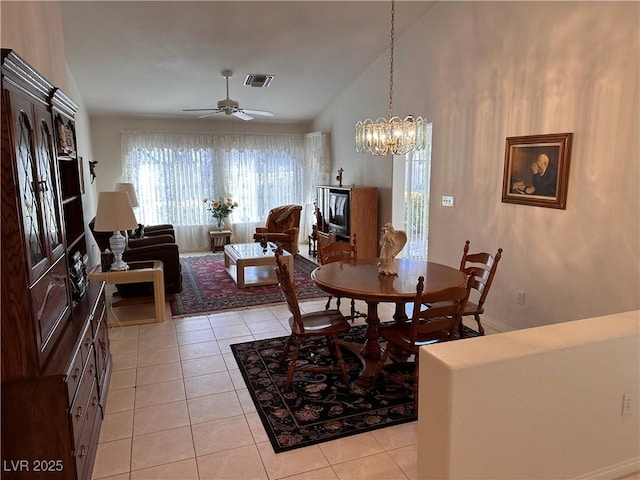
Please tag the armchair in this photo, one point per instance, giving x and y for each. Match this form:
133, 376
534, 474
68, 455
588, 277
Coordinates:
160, 246
283, 225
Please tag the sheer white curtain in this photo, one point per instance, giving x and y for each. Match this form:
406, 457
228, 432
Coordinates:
174, 172
316, 171
417, 181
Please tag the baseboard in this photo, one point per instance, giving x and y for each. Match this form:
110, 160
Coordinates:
494, 324
614, 472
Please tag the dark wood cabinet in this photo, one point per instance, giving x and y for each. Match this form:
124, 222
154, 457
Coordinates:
55, 347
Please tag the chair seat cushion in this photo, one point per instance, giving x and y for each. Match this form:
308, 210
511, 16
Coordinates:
400, 334
324, 322
472, 309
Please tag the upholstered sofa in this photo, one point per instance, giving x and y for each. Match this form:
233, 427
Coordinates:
156, 243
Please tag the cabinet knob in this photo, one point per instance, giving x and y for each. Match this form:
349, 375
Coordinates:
79, 412
76, 374
83, 451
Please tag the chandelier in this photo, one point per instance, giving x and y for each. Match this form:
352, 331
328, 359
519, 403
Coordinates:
391, 135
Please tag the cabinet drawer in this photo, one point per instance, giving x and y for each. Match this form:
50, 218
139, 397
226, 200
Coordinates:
84, 441
80, 404
98, 315
86, 343
50, 302
101, 345
73, 376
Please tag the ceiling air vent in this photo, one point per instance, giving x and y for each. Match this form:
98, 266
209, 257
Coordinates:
258, 80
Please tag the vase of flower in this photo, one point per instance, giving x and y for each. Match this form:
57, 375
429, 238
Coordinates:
220, 210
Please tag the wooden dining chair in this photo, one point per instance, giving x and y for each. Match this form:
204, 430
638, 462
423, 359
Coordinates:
337, 252
324, 323
483, 266
439, 323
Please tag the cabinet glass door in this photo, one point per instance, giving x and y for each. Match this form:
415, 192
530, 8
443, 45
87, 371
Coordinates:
27, 179
48, 184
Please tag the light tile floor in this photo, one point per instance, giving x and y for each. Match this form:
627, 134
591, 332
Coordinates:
178, 408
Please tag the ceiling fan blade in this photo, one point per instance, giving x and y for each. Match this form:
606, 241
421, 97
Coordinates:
199, 109
240, 114
263, 113
207, 115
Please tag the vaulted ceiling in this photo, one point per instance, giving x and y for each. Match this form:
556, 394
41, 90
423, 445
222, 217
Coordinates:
153, 59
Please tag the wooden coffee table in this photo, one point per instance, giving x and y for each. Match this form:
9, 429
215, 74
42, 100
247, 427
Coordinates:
249, 265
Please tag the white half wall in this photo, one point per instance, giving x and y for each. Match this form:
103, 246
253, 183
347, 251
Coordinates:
543, 403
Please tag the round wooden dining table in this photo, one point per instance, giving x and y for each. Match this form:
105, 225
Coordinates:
360, 279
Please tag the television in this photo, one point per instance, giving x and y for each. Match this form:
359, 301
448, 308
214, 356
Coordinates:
339, 213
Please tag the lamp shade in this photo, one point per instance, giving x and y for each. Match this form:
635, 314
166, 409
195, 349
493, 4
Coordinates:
114, 212
128, 187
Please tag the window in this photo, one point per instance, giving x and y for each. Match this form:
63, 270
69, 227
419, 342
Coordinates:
174, 173
417, 181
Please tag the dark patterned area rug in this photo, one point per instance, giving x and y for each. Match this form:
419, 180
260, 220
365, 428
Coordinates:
207, 287
319, 407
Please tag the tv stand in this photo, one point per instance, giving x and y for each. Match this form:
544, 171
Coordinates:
362, 218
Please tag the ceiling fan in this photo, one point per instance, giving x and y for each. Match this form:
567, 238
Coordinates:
229, 107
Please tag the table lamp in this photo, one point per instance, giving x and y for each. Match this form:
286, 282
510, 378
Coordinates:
131, 191
115, 214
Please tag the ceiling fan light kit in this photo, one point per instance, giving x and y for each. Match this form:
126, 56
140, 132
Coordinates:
230, 107
391, 135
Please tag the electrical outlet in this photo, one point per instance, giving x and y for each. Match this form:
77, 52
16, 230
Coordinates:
520, 297
627, 403
448, 201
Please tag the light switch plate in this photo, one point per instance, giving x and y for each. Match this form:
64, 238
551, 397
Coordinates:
448, 201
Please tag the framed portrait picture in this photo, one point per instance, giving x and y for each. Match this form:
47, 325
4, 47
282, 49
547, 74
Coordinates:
66, 141
536, 170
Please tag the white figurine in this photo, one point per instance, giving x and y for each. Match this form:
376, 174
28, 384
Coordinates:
392, 242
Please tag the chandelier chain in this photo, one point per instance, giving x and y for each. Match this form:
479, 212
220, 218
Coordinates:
392, 135
393, 15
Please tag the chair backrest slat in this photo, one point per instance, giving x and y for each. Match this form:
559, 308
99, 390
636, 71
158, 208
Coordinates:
288, 291
338, 251
483, 266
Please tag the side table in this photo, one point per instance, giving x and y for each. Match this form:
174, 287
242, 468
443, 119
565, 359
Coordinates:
219, 238
133, 311
313, 249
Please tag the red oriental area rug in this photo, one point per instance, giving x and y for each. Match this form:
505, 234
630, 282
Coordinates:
208, 288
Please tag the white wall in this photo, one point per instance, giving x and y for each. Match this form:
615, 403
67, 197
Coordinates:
484, 71
85, 150
34, 31
542, 403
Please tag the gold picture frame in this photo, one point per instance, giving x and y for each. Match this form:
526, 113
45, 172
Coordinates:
536, 170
